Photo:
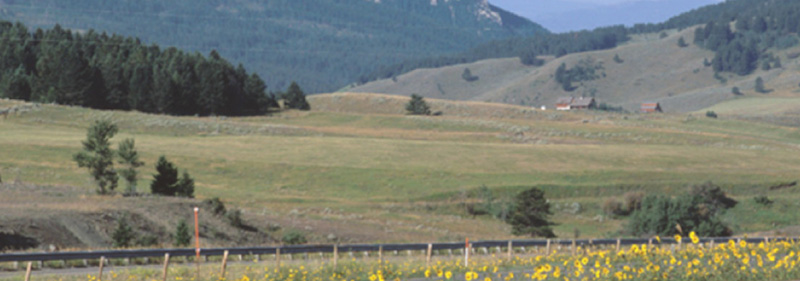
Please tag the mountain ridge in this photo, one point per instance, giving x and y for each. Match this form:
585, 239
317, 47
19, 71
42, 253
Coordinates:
322, 45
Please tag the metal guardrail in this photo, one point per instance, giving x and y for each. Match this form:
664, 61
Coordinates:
151, 253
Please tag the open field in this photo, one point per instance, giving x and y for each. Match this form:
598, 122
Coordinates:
335, 173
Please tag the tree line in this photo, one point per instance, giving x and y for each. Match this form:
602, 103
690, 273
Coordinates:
741, 42
113, 72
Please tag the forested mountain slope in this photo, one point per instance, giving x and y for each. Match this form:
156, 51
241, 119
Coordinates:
321, 44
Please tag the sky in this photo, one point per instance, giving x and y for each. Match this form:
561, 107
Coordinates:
567, 15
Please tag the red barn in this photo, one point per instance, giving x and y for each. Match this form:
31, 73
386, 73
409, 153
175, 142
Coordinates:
650, 107
563, 103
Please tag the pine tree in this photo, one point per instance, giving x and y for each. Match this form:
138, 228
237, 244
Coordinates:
182, 235
123, 235
530, 214
295, 98
129, 157
682, 43
417, 106
185, 186
97, 155
164, 182
760, 86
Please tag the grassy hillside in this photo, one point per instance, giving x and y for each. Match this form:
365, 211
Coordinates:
371, 174
652, 69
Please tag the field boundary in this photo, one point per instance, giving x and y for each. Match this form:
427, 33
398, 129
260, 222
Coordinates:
336, 248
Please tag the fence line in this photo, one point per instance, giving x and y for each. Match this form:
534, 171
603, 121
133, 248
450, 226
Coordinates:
206, 252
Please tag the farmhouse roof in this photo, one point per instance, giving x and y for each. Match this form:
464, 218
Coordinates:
564, 100
582, 101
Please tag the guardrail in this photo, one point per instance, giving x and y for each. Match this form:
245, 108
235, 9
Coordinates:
148, 253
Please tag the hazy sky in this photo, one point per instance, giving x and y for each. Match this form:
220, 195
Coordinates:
565, 15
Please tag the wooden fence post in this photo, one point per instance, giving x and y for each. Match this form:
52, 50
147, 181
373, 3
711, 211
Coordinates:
278, 258
224, 264
619, 243
28, 271
510, 249
428, 255
380, 255
100, 275
547, 248
574, 248
166, 266
335, 255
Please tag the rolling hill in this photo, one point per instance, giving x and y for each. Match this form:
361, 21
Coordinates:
321, 44
652, 69
355, 169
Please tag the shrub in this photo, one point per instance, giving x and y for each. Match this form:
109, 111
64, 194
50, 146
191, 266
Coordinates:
617, 59
147, 240
633, 201
182, 236
666, 216
613, 207
735, 91
216, 205
763, 200
711, 114
760, 86
235, 217
123, 235
294, 238
712, 195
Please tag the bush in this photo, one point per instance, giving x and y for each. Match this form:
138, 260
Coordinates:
182, 236
763, 200
711, 114
123, 235
633, 201
216, 205
617, 59
712, 195
666, 217
736, 91
147, 240
294, 238
235, 218
612, 207
682, 43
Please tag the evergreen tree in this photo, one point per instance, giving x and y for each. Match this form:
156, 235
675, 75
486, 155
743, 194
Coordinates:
467, 75
15, 85
129, 157
617, 59
182, 236
530, 213
97, 155
166, 178
185, 186
736, 91
760, 86
682, 43
417, 106
295, 98
123, 235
